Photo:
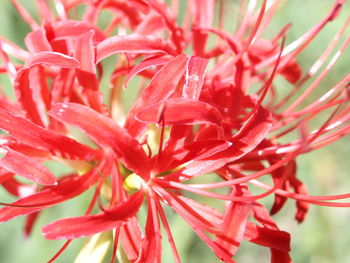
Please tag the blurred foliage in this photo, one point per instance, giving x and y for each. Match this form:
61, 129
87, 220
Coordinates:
322, 238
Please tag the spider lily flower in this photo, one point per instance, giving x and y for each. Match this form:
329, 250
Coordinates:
194, 115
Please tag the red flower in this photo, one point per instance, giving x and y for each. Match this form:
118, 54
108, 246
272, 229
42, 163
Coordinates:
194, 116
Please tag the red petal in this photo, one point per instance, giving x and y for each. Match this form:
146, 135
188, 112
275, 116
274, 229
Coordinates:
302, 207
263, 236
248, 137
194, 78
38, 137
84, 52
146, 64
24, 92
131, 237
234, 223
192, 151
36, 41
25, 96
131, 44
161, 87
18, 189
29, 168
181, 111
263, 217
53, 59
65, 190
29, 224
292, 72
106, 133
151, 243
5, 175
76, 227
203, 14
86, 74
71, 29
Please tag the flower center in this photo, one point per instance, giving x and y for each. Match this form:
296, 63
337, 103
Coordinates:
133, 182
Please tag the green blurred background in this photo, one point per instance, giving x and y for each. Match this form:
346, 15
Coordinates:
324, 237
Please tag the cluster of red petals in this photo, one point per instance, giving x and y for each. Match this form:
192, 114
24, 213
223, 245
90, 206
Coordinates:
215, 111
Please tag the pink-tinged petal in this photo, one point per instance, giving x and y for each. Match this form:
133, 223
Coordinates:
160, 88
38, 137
37, 42
66, 189
86, 73
132, 44
127, 9
25, 96
53, 59
22, 83
29, 168
71, 29
203, 15
146, 64
194, 77
164, 83
7, 104
247, 138
181, 111
234, 223
150, 24
84, 52
131, 238
77, 227
63, 85
106, 133
276, 239
151, 244
41, 90
178, 137
40, 155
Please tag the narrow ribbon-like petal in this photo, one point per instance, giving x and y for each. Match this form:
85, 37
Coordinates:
194, 77
29, 168
248, 137
76, 227
234, 223
106, 133
68, 188
38, 137
161, 87
131, 44
181, 111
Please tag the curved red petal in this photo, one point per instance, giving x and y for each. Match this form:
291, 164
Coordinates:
82, 226
106, 133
